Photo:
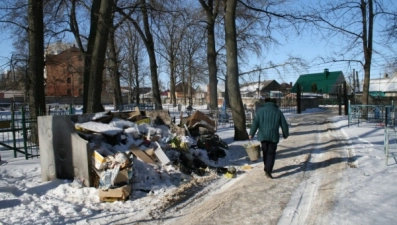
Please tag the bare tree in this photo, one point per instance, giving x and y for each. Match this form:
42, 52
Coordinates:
146, 35
31, 38
95, 52
212, 9
192, 57
114, 63
172, 30
352, 23
133, 60
36, 62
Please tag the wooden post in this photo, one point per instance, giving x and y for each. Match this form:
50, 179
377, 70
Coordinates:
298, 99
345, 98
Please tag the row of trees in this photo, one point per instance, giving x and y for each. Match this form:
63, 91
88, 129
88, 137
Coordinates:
199, 41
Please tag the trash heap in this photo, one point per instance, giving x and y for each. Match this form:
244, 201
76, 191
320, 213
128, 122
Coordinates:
141, 152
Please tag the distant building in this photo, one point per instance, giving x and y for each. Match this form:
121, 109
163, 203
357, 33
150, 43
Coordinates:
382, 87
325, 83
259, 90
182, 90
64, 73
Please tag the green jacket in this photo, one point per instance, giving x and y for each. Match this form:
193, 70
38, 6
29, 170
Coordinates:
267, 121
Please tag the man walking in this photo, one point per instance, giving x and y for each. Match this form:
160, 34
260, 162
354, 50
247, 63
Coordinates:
267, 121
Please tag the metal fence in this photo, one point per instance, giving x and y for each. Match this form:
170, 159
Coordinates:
15, 133
16, 125
382, 115
16, 130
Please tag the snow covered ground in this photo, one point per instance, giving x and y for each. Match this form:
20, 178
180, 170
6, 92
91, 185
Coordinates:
368, 194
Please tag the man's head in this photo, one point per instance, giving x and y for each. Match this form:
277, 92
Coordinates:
271, 100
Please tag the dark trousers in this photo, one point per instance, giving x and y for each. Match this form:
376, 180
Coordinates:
269, 155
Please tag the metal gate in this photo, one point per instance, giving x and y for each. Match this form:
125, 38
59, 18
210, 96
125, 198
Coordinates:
15, 133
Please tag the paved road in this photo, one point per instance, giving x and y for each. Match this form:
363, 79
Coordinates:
309, 164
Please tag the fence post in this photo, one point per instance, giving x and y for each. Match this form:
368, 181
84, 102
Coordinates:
298, 98
340, 100
345, 98
13, 129
24, 132
349, 116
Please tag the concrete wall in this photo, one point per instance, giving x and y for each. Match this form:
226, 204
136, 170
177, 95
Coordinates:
63, 154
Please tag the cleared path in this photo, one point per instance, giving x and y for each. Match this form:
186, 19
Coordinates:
308, 166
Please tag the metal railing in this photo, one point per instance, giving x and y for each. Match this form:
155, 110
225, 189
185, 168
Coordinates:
390, 143
382, 115
16, 133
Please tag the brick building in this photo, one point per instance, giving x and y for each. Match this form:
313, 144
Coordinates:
64, 73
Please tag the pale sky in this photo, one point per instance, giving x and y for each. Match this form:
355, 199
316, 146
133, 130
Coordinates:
305, 46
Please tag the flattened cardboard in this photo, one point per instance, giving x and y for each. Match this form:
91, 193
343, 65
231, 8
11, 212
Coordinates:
123, 176
199, 118
135, 115
150, 152
162, 116
149, 156
120, 193
141, 154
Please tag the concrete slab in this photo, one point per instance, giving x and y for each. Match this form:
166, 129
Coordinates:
63, 153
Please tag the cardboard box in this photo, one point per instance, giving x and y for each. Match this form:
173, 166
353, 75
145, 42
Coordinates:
135, 115
98, 160
142, 154
200, 119
159, 117
123, 176
116, 194
151, 155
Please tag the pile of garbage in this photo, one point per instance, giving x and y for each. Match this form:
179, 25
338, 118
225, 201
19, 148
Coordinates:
134, 151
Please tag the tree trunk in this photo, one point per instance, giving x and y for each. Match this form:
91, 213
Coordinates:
367, 37
95, 55
172, 81
136, 69
36, 64
152, 58
212, 69
236, 103
147, 38
114, 71
211, 56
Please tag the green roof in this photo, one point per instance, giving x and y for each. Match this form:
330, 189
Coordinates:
377, 94
323, 82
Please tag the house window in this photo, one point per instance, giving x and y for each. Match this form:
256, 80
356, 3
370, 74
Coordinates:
69, 92
68, 80
81, 80
80, 91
